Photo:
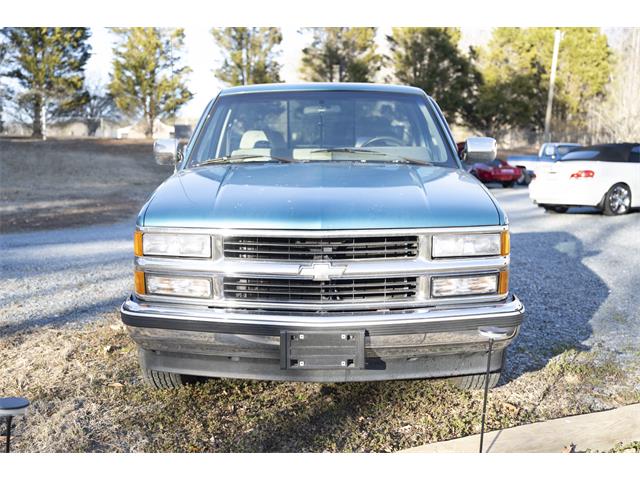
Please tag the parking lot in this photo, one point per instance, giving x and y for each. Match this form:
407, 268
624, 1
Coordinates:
63, 346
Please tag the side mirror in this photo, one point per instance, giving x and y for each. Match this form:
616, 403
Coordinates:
481, 149
165, 151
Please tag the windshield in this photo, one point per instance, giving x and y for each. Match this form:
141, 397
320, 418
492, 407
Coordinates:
330, 125
564, 149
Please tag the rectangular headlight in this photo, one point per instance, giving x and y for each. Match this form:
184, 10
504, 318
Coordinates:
176, 245
466, 245
458, 286
195, 287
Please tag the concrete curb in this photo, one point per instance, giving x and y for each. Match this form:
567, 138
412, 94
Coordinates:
595, 431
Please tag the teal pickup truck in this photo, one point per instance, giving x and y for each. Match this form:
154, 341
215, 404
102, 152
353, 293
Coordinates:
321, 232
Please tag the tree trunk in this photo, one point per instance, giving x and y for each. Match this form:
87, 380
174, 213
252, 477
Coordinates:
149, 130
151, 116
92, 126
37, 117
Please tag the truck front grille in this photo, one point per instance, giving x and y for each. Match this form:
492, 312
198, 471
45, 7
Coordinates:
367, 290
313, 249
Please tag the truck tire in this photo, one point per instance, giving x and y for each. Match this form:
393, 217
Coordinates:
163, 380
508, 184
475, 382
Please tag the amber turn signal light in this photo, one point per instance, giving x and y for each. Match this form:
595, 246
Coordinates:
503, 282
137, 243
505, 243
138, 281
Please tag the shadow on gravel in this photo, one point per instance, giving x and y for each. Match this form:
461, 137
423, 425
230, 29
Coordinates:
560, 293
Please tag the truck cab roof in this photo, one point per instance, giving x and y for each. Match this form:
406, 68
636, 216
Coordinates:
311, 87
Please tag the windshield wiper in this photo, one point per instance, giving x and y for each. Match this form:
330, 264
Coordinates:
396, 158
347, 150
240, 158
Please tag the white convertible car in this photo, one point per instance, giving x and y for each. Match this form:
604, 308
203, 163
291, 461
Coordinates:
602, 176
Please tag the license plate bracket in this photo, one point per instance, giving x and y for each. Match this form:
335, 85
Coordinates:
326, 350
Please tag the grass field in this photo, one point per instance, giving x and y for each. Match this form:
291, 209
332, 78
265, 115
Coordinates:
71, 182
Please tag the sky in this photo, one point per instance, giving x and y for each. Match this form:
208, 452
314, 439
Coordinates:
202, 55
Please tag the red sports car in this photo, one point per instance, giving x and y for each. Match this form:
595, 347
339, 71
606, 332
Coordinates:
496, 171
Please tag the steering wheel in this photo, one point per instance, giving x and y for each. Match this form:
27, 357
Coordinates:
395, 142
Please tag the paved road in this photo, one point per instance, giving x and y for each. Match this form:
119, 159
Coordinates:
577, 273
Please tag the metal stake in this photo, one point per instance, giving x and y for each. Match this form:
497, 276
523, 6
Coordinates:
492, 333
486, 393
11, 407
8, 444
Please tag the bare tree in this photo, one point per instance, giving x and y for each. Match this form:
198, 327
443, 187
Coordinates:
617, 119
99, 107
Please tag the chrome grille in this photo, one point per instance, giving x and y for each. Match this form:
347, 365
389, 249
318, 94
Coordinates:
313, 249
367, 290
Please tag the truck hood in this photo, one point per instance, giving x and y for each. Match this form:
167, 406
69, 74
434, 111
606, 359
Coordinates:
320, 196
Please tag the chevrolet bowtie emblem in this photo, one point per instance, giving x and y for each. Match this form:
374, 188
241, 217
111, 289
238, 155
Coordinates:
322, 271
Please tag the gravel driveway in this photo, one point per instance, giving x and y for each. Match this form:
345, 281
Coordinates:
63, 276
577, 274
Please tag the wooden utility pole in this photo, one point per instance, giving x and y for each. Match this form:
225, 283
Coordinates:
554, 66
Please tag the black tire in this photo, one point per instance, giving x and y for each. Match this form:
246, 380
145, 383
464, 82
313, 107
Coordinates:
525, 178
475, 382
163, 380
555, 208
508, 184
617, 201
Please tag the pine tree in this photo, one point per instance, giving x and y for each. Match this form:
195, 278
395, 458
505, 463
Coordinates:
429, 58
250, 54
147, 77
48, 64
341, 54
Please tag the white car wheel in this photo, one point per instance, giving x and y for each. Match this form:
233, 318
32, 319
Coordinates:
617, 201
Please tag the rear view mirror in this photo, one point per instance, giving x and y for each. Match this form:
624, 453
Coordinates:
481, 149
165, 151
318, 109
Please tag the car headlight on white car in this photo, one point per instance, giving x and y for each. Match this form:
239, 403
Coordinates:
470, 245
172, 245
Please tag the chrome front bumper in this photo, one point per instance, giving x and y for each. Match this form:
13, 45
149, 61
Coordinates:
424, 342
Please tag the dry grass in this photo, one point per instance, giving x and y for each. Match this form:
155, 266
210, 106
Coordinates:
68, 182
87, 395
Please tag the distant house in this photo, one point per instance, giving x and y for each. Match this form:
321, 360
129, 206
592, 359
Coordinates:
65, 127
137, 130
77, 127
